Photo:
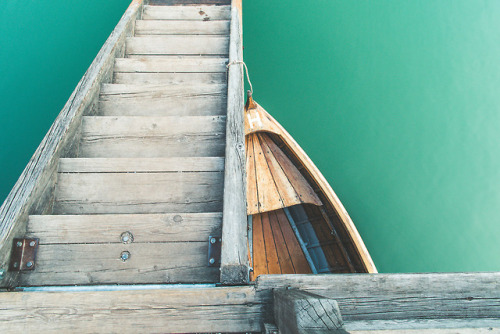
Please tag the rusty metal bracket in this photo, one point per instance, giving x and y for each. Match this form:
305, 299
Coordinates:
214, 251
23, 254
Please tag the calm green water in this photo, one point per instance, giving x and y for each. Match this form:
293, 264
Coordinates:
397, 102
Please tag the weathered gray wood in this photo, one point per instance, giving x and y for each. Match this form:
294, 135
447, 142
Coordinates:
122, 137
171, 64
171, 106
401, 296
173, 262
91, 193
148, 165
130, 92
181, 27
177, 310
424, 326
33, 191
78, 229
297, 312
188, 2
169, 78
178, 45
197, 13
270, 328
234, 258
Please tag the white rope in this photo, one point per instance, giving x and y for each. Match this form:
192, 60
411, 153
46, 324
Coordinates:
246, 70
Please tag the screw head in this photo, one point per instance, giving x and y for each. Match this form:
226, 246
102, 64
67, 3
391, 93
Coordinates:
124, 256
33, 243
29, 264
15, 265
212, 240
211, 261
126, 237
19, 243
2, 273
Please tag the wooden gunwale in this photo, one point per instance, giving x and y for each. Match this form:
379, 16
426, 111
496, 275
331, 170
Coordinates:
34, 191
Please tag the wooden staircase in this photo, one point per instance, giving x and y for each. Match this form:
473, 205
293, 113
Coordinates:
142, 192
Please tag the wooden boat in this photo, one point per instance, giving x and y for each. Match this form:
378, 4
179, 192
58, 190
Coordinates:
297, 223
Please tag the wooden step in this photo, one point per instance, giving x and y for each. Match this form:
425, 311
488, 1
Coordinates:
172, 262
169, 78
134, 165
196, 13
130, 92
151, 137
171, 64
181, 27
144, 228
93, 193
178, 45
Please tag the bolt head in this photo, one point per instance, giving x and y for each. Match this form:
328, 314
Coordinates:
2, 273
212, 240
127, 237
211, 261
32, 243
29, 264
15, 265
124, 256
19, 244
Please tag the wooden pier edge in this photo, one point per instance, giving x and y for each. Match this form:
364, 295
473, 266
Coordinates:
380, 302
33, 191
234, 255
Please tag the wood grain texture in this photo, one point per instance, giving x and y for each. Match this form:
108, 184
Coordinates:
196, 13
194, 105
425, 326
298, 312
146, 165
33, 190
128, 136
91, 193
188, 2
174, 310
172, 262
169, 78
131, 92
234, 257
178, 45
402, 296
181, 27
171, 64
145, 228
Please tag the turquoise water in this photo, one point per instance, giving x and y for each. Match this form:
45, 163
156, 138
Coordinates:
397, 102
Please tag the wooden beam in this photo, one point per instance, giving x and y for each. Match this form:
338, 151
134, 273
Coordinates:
234, 257
173, 310
297, 312
33, 193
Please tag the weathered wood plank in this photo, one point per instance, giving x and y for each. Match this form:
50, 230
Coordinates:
176, 106
144, 228
188, 2
234, 257
151, 137
92, 193
197, 13
169, 78
131, 92
33, 191
148, 165
181, 27
424, 326
173, 262
171, 64
177, 310
298, 312
178, 45
401, 296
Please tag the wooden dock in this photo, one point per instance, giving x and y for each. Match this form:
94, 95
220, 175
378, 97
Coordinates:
131, 216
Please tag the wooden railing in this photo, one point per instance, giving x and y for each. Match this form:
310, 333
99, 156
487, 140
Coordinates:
234, 256
34, 191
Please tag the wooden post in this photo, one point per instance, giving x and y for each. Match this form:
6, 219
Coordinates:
298, 311
234, 256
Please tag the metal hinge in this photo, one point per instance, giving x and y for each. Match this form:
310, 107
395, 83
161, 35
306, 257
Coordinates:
214, 250
23, 255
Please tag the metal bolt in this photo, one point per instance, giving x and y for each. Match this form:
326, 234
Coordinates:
33, 243
212, 240
29, 264
125, 256
126, 237
19, 244
15, 265
211, 261
2, 273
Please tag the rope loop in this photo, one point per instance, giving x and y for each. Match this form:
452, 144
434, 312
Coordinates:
246, 71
